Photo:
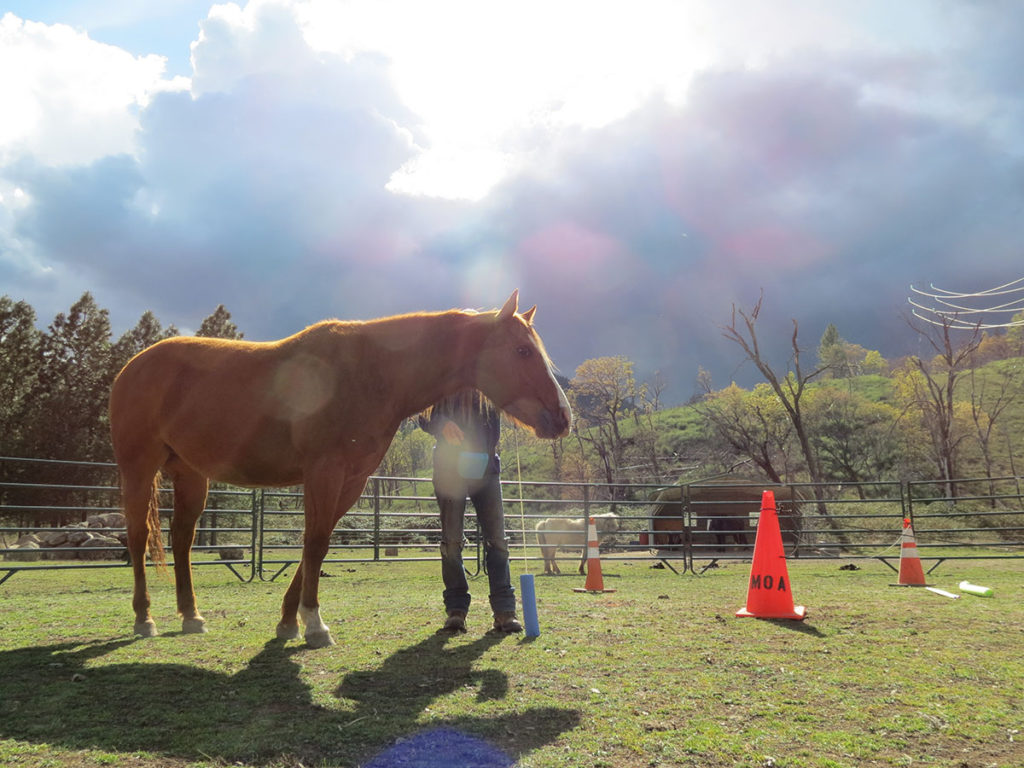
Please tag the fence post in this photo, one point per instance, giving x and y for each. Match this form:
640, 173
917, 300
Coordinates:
256, 538
906, 501
376, 519
257, 530
686, 522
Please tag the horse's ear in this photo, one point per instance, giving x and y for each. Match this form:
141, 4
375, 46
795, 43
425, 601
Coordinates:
528, 314
510, 306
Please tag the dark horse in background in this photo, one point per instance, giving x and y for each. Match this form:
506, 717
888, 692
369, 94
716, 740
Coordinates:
318, 408
719, 510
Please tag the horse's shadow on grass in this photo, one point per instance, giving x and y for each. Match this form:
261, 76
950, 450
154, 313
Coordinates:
263, 714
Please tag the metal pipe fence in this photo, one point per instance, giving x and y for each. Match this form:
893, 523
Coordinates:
68, 517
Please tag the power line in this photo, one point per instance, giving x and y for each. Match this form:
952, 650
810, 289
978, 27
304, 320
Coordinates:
974, 310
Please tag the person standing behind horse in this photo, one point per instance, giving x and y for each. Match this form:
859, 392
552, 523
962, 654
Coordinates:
467, 427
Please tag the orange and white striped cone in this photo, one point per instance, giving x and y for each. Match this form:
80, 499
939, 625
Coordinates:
911, 572
594, 582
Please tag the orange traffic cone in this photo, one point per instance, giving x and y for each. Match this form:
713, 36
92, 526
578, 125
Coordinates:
594, 582
911, 572
768, 595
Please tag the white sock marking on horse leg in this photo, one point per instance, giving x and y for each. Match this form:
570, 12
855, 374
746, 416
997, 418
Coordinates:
317, 633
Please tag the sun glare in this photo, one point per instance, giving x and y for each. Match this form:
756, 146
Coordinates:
483, 83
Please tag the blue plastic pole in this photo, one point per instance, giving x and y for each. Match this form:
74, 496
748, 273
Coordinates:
529, 596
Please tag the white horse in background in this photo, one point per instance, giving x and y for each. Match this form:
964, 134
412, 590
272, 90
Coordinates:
570, 533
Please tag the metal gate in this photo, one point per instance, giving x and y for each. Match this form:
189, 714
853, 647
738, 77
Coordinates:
60, 520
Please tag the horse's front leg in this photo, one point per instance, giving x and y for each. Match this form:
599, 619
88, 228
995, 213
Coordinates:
327, 498
301, 599
297, 602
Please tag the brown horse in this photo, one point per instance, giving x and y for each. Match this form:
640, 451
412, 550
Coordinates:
318, 408
720, 509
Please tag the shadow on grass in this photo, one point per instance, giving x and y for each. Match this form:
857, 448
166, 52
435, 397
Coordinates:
264, 714
803, 627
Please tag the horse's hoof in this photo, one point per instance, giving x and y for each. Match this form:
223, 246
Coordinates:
193, 626
319, 639
287, 631
146, 628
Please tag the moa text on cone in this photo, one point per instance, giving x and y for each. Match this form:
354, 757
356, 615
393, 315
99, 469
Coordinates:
595, 581
768, 593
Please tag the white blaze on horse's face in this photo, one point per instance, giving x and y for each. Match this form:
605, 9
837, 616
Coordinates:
515, 374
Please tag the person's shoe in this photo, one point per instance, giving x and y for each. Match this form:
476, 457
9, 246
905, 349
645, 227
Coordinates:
505, 621
455, 624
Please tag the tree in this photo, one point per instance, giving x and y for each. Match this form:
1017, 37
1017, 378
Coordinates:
841, 359
832, 353
931, 391
873, 363
219, 326
654, 391
407, 456
990, 396
645, 434
19, 352
855, 439
1015, 335
74, 383
790, 390
146, 333
603, 392
65, 416
753, 424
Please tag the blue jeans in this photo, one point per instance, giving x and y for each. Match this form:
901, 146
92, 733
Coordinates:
485, 493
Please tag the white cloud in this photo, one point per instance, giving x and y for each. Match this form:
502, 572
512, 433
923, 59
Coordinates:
762, 156
236, 43
492, 80
488, 80
68, 99
271, 169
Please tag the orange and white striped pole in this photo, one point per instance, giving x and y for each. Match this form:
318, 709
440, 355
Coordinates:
595, 581
911, 572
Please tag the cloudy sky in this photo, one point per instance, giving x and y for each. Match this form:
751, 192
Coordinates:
634, 168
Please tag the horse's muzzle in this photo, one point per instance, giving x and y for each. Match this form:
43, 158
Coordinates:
554, 424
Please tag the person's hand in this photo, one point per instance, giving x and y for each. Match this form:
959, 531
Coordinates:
452, 433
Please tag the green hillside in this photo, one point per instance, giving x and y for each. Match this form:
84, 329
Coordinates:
686, 447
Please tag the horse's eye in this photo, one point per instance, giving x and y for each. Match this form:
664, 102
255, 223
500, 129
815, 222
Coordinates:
524, 351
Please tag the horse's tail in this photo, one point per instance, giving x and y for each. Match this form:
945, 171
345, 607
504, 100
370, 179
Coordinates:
155, 544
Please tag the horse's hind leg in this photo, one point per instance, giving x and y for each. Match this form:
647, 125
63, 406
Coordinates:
137, 492
551, 556
190, 490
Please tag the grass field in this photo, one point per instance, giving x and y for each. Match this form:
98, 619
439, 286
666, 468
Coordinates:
657, 673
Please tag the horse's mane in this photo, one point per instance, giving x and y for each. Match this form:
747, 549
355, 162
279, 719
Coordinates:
335, 322
464, 401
